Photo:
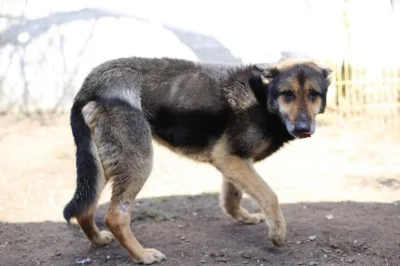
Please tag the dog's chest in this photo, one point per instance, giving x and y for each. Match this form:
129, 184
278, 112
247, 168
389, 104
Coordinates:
260, 149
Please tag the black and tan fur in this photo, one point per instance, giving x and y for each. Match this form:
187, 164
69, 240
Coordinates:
227, 116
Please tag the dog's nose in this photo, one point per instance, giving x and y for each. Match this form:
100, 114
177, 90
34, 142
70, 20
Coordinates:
302, 127
302, 124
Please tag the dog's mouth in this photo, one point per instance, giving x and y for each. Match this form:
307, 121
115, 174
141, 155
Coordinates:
303, 135
299, 134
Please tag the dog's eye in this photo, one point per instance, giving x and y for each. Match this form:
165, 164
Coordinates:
313, 95
289, 95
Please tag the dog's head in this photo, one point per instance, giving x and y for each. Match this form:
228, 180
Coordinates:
296, 91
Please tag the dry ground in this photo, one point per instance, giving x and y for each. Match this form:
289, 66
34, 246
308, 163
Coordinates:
352, 173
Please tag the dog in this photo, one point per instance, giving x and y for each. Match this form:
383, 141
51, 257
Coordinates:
227, 116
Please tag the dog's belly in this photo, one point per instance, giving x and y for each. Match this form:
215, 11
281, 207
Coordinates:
188, 133
200, 154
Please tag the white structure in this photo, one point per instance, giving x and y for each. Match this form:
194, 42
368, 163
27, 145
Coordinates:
48, 47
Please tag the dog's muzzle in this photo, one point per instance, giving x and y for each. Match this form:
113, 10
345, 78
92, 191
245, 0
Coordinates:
303, 128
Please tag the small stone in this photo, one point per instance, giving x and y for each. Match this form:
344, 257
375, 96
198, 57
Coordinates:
300, 263
325, 256
180, 226
58, 254
194, 213
246, 256
312, 237
326, 250
329, 217
298, 242
182, 237
350, 260
213, 255
203, 261
334, 246
108, 257
311, 263
355, 242
83, 261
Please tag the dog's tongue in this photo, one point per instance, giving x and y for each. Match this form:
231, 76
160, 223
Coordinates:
305, 135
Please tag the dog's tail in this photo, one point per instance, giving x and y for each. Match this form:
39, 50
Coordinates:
88, 167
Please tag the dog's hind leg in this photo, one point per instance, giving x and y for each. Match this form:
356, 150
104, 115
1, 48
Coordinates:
90, 176
89, 227
123, 138
231, 198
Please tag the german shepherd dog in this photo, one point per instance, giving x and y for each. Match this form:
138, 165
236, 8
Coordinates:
230, 117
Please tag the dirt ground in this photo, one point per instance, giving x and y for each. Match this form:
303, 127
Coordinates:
351, 173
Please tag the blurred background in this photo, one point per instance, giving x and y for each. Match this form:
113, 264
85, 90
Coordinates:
48, 47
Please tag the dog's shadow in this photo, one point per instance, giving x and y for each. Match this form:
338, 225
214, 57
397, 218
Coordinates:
190, 218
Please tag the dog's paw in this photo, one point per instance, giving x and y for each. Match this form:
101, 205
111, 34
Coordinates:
103, 239
253, 218
151, 256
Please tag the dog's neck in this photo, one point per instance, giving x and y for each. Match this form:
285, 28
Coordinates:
275, 127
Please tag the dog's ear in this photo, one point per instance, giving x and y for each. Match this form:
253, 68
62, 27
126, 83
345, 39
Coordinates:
268, 72
326, 73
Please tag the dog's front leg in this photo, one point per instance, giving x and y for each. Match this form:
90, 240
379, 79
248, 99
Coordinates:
242, 174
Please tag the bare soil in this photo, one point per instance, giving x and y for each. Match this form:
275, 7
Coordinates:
350, 173
191, 230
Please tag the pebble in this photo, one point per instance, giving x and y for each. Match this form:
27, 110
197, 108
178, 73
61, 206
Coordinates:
246, 256
298, 242
312, 237
108, 257
350, 260
83, 261
333, 245
326, 250
311, 263
329, 217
